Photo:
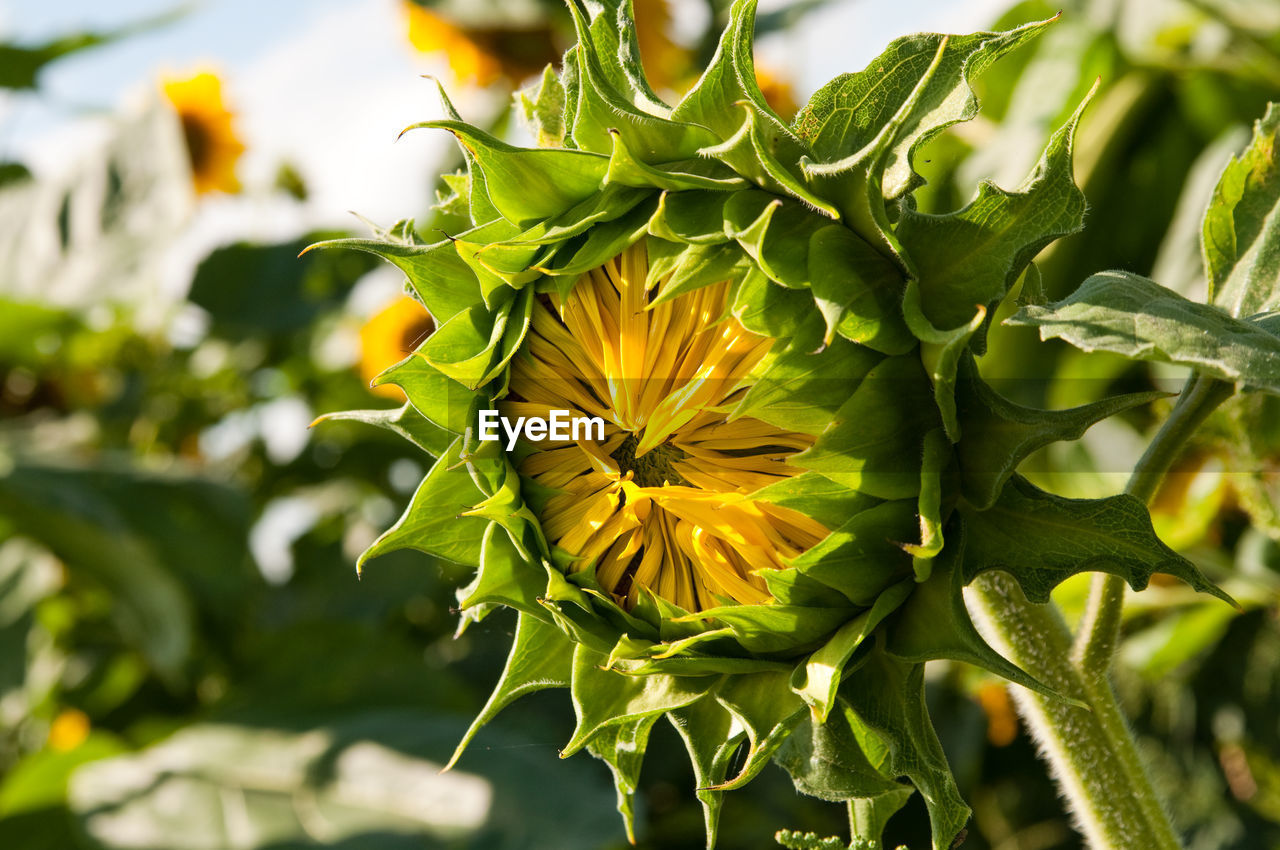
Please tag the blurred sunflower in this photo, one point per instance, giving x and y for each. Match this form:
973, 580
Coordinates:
667, 65
778, 92
1002, 719
482, 55
388, 337
660, 503
212, 144
68, 730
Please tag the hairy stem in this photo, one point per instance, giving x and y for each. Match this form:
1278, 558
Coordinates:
1100, 627
1092, 753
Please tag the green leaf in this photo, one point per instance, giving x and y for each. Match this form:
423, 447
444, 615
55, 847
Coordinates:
684, 268
131, 533
855, 181
600, 243
626, 168
817, 497
543, 105
695, 218
439, 277
754, 141
825, 759
614, 99
405, 421
1158, 651
474, 347
846, 114
541, 657
707, 729
771, 310
775, 628
603, 698
39, 780
817, 680
767, 708
934, 623
480, 208
1241, 234
1130, 315
774, 233
863, 556
251, 290
1041, 539
528, 185
759, 153
999, 435
971, 257
730, 80
509, 574
438, 399
801, 390
941, 351
875, 440
892, 724
857, 290
622, 747
617, 52
936, 474
434, 521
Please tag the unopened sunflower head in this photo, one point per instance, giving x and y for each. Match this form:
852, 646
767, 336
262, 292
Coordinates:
705, 403
207, 128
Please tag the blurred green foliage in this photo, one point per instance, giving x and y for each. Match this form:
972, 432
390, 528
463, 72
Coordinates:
186, 656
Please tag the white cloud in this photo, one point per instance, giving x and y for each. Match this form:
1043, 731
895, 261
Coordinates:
331, 100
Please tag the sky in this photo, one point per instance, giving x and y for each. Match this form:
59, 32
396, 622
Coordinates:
327, 85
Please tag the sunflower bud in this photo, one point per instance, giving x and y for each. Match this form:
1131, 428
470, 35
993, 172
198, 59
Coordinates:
704, 396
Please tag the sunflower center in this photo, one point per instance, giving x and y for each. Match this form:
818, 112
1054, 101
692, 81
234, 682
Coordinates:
663, 372
199, 142
653, 468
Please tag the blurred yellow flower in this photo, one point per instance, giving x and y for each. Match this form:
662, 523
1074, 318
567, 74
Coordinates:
390, 336
666, 64
481, 55
777, 92
1188, 507
1002, 720
212, 144
468, 60
68, 730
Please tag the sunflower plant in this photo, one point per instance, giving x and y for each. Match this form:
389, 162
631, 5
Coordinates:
790, 464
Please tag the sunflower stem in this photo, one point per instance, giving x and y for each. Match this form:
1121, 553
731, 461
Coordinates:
1100, 627
1092, 753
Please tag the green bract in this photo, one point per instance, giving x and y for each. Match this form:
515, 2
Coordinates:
877, 312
